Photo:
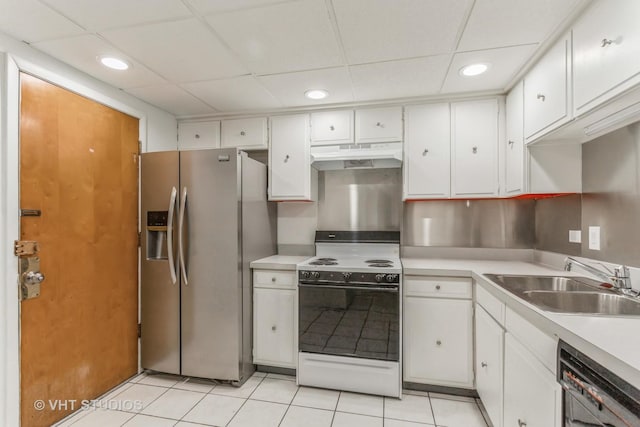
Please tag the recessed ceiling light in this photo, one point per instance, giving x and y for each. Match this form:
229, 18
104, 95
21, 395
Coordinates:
316, 94
473, 70
114, 63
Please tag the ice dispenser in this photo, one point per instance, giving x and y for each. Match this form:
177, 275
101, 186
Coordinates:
157, 234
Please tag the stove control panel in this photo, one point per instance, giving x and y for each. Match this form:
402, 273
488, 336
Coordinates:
346, 277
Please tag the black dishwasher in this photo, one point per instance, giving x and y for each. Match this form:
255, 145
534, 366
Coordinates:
592, 395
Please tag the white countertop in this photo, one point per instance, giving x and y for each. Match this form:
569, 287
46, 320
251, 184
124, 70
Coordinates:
278, 262
614, 342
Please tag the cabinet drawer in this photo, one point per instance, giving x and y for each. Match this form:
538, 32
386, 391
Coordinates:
246, 133
543, 346
438, 287
274, 279
332, 127
198, 135
493, 305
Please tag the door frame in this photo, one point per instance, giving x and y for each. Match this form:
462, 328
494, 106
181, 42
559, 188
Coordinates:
10, 68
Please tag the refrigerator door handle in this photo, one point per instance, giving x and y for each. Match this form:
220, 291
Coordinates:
172, 263
183, 208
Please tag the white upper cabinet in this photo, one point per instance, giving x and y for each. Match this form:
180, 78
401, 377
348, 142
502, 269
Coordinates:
379, 125
289, 158
606, 52
245, 133
198, 135
546, 92
332, 127
514, 148
474, 138
427, 152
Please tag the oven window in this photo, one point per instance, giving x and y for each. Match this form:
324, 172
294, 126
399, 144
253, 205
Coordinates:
349, 322
577, 415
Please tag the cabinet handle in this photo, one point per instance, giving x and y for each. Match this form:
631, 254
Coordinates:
273, 279
242, 133
483, 364
521, 423
273, 328
332, 127
380, 125
437, 287
197, 136
286, 158
511, 143
541, 97
606, 42
425, 152
438, 342
474, 150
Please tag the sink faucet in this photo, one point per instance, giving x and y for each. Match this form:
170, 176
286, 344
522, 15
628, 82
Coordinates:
619, 278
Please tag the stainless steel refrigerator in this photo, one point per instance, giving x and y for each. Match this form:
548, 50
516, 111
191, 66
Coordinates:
205, 217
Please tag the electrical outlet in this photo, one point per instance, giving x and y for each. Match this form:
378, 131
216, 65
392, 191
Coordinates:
594, 238
575, 236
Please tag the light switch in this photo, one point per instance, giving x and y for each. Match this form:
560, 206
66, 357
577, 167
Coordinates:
594, 238
575, 236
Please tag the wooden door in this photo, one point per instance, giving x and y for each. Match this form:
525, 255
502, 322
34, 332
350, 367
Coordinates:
79, 166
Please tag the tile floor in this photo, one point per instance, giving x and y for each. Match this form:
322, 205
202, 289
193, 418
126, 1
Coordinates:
267, 400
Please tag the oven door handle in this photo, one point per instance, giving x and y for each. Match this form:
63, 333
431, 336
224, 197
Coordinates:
357, 288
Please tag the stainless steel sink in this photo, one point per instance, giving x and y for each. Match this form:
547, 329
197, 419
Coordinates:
584, 302
567, 294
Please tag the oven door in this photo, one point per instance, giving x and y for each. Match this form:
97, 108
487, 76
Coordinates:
347, 320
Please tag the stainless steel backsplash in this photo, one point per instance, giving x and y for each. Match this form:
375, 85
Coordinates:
472, 224
360, 199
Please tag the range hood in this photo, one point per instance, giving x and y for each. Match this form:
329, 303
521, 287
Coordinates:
357, 156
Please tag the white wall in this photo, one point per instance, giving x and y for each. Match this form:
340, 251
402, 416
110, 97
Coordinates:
157, 133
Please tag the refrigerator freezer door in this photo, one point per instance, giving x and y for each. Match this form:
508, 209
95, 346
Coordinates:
160, 295
212, 300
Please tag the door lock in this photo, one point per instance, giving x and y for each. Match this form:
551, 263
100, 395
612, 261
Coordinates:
29, 269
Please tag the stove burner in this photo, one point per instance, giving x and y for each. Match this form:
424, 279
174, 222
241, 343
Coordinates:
320, 262
326, 259
378, 261
381, 265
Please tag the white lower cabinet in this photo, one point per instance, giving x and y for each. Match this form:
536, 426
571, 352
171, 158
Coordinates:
274, 319
437, 334
532, 397
489, 364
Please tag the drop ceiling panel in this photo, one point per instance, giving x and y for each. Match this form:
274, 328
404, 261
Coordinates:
504, 64
398, 79
216, 6
379, 30
181, 51
31, 21
81, 52
240, 93
498, 23
102, 14
172, 99
290, 88
284, 37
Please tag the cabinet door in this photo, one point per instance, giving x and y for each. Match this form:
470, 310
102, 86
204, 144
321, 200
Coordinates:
289, 158
332, 127
427, 152
475, 148
438, 341
274, 320
514, 149
379, 125
606, 52
198, 135
546, 91
531, 394
489, 364
245, 133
